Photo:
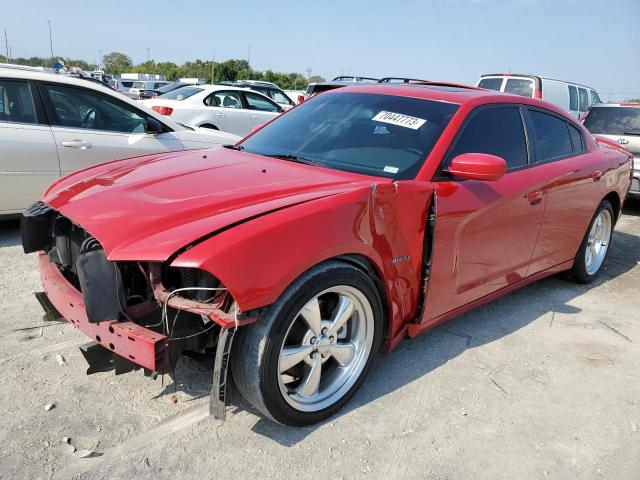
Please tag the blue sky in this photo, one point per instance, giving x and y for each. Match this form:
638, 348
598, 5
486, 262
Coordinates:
592, 42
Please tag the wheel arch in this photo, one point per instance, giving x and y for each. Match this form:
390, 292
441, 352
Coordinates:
616, 203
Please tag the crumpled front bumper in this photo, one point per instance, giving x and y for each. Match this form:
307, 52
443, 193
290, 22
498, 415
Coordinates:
129, 340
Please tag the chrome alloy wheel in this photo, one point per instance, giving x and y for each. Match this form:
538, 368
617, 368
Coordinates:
325, 348
598, 242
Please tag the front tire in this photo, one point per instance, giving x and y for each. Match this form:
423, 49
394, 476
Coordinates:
595, 245
310, 351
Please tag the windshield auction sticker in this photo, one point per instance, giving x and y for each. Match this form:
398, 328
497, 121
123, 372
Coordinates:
399, 119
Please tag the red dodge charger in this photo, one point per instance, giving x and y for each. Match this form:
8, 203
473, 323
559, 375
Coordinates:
363, 216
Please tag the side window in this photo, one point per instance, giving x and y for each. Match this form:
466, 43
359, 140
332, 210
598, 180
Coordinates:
257, 102
584, 99
496, 131
280, 97
80, 108
576, 139
552, 136
594, 98
224, 99
16, 102
573, 98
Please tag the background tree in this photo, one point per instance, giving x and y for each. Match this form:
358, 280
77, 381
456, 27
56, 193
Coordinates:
116, 63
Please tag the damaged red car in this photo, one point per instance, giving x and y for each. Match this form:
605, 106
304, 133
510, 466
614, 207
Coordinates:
366, 215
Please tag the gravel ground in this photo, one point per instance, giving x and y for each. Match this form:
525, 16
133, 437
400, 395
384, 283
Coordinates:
543, 383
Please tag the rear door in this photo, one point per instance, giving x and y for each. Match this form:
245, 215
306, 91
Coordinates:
486, 230
28, 158
262, 109
573, 178
90, 127
227, 112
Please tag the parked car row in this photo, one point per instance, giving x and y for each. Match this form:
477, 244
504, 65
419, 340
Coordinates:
218, 107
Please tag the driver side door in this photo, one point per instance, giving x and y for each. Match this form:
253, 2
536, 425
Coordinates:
485, 231
90, 127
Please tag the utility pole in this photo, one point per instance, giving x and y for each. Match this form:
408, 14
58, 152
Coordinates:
213, 68
6, 44
148, 55
249, 55
51, 44
309, 70
100, 57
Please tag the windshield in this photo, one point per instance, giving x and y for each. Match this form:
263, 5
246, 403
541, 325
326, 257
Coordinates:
614, 120
180, 93
381, 135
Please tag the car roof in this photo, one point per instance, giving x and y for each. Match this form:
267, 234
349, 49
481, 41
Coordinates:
447, 92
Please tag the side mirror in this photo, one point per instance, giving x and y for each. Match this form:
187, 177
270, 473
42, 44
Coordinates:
154, 127
478, 166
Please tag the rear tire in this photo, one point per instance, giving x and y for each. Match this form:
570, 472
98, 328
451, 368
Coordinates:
310, 351
595, 245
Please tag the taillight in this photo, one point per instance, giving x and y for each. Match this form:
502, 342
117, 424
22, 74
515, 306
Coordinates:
537, 94
162, 110
300, 98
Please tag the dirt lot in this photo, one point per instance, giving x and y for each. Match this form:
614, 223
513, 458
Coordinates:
544, 383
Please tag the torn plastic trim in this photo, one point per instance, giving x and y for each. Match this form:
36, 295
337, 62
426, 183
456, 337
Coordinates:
171, 298
427, 256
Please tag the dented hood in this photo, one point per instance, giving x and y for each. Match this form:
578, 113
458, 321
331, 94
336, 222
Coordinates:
148, 208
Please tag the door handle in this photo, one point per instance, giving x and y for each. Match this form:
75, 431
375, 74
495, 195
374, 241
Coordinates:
81, 144
596, 175
219, 114
535, 197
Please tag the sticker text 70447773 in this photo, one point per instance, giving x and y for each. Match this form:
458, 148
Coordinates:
399, 119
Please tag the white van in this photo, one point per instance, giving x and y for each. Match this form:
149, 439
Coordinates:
571, 96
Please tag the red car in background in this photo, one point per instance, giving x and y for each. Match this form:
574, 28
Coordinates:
363, 216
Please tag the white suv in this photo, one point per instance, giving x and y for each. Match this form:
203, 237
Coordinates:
51, 125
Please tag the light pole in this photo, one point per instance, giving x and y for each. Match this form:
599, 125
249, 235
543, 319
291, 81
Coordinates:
6, 44
51, 44
148, 55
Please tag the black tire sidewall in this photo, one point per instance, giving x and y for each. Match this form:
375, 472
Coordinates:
579, 270
283, 313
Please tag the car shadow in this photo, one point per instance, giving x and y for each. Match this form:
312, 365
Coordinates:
10, 233
417, 357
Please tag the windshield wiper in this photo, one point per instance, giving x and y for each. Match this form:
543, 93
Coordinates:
234, 147
631, 133
293, 158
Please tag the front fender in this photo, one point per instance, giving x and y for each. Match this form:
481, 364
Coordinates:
385, 223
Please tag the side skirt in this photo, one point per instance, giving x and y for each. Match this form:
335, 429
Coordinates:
413, 330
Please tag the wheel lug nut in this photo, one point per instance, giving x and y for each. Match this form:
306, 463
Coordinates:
313, 340
324, 331
332, 339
